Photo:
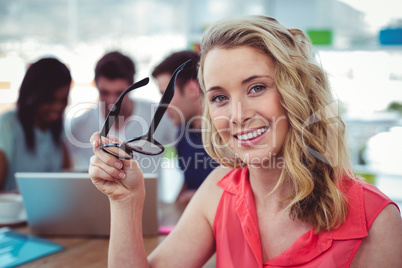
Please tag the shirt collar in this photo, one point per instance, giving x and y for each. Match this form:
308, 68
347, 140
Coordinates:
355, 225
234, 182
312, 245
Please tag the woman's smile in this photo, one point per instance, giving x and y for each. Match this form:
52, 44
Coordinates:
251, 137
250, 134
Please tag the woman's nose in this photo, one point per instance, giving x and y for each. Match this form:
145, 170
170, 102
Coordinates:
240, 112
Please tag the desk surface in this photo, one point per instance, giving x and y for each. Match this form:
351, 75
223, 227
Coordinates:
82, 251
93, 251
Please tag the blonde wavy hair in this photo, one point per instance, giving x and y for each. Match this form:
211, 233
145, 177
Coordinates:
315, 153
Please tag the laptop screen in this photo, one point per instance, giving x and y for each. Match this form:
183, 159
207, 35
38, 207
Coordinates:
69, 204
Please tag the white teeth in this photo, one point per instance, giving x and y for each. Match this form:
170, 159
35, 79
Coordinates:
253, 134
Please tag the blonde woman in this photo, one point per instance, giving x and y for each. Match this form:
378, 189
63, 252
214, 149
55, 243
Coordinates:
286, 196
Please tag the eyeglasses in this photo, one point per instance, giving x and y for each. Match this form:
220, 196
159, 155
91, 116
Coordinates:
144, 144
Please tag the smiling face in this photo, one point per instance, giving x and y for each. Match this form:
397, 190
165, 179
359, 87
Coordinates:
244, 103
53, 110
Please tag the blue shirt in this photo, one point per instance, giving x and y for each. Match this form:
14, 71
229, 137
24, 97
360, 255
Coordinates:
194, 161
47, 156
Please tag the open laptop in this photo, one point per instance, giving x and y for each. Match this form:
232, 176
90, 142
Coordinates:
69, 204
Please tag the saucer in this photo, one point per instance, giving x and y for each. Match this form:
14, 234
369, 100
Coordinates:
20, 219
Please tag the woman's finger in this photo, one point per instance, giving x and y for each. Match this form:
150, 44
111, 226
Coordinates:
113, 171
96, 139
105, 157
98, 175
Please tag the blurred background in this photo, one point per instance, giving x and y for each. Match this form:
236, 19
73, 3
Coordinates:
358, 42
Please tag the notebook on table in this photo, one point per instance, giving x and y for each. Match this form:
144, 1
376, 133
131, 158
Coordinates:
17, 248
69, 204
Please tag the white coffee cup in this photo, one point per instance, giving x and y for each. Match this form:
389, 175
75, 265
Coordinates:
10, 206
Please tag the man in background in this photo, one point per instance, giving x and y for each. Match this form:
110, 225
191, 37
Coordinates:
114, 73
186, 111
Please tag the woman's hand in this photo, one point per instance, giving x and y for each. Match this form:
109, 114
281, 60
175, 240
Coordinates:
118, 179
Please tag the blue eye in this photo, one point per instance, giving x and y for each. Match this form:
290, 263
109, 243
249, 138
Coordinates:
218, 98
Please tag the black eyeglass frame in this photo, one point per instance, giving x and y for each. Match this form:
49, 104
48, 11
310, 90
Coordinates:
148, 136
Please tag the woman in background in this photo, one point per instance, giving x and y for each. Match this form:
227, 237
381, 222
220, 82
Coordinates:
31, 136
289, 198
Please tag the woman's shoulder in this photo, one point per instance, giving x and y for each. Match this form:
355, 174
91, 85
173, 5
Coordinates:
218, 173
211, 182
373, 197
382, 248
364, 199
7, 115
9, 120
208, 195
90, 114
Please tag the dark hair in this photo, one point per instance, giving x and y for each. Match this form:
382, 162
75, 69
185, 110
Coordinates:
173, 61
115, 65
42, 79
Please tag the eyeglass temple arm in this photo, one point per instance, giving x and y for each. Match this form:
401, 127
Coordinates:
165, 100
114, 112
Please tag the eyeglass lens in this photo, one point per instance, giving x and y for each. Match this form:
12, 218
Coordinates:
118, 152
145, 146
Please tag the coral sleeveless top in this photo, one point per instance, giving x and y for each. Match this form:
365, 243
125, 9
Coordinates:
237, 236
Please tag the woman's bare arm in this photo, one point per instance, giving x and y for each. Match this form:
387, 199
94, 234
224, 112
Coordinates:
383, 245
191, 243
122, 181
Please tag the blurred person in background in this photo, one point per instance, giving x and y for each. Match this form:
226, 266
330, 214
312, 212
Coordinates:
32, 136
186, 110
114, 73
